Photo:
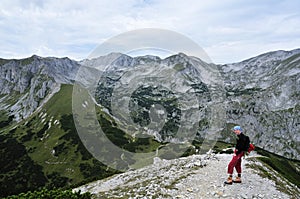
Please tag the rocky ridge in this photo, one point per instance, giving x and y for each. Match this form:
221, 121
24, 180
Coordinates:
197, 176
27, 84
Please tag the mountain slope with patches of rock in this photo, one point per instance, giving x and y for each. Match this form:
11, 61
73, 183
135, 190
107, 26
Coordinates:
263, 96
27, 84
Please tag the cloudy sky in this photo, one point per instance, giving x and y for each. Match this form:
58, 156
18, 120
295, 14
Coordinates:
228, 30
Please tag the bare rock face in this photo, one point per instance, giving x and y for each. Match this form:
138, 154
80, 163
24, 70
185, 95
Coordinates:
26, 83
263, 96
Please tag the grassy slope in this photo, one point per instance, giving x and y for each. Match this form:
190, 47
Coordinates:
47, 140
290, 169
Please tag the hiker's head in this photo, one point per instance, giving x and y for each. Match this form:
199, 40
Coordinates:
237, 130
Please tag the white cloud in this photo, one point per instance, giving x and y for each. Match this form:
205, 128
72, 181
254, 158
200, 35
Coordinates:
229, 30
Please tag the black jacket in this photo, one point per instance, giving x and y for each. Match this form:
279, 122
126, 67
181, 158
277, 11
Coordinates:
242, 143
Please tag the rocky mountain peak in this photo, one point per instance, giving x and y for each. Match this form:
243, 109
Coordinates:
180, 57
102, 62
149, 57
30, 80
266, 60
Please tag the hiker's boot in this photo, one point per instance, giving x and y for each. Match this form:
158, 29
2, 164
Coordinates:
229, 180
237, 180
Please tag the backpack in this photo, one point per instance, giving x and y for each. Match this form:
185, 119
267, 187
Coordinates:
249, 146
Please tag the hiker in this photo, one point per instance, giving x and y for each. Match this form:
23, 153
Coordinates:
236, 161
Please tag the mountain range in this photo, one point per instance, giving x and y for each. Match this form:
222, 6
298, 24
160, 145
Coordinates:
38, 126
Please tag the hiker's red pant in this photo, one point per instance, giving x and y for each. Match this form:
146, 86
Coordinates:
236, 162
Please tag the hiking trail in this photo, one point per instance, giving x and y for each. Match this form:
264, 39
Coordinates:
193, 177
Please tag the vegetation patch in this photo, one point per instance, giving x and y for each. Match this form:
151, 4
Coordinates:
4, 61
179, 67
54, 193
5, 119
19, 173
242, 92
286, 167
27, 61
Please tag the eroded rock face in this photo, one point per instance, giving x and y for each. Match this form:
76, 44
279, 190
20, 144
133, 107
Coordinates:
263, 95
26, 83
